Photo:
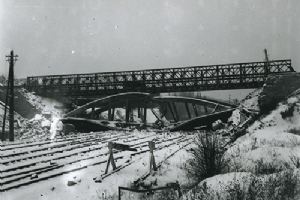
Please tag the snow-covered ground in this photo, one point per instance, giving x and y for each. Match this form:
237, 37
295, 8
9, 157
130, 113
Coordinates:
262, 163
268, 154
251, 100
81, 158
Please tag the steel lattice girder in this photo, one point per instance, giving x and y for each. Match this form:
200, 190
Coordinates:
213, 77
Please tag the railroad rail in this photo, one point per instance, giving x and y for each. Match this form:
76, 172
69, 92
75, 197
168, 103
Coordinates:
37, 161
195, 78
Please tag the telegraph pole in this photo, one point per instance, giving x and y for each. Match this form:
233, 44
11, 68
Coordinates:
267, 67
10, 88
4, 116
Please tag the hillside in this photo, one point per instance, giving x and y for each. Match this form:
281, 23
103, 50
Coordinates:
264, 163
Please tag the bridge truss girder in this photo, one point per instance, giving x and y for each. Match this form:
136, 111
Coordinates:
196, 78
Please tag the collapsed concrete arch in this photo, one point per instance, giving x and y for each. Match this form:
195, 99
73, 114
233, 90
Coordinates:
137, 109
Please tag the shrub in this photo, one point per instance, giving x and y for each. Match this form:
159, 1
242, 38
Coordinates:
264, 168
295, 160
238, 190
207, 159
281, 186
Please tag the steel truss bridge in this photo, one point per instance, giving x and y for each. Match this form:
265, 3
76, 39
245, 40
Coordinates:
196, 78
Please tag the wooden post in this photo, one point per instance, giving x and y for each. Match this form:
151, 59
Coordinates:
119, 193
11, 59
110, 158
152, 159
119, 147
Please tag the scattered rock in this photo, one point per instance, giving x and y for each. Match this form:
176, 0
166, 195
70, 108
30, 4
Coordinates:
71, 183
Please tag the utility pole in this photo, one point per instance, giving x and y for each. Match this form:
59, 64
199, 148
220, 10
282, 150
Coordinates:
267, 67
10, 91
4, 116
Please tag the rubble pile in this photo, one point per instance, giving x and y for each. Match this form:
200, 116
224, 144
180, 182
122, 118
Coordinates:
41, 126
36, 128
242, 117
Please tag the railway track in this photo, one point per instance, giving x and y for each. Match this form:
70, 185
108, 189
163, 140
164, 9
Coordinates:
38, 161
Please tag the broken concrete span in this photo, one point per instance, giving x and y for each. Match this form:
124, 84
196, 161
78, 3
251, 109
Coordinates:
136, 109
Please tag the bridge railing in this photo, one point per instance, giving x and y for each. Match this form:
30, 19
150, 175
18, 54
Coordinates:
238, 75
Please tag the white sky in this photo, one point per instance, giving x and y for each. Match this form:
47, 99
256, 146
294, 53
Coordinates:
78, 36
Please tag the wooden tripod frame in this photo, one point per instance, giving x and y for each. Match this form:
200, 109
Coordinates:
110, 158
153, 166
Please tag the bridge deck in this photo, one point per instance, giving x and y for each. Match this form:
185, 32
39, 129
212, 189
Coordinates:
196, 78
